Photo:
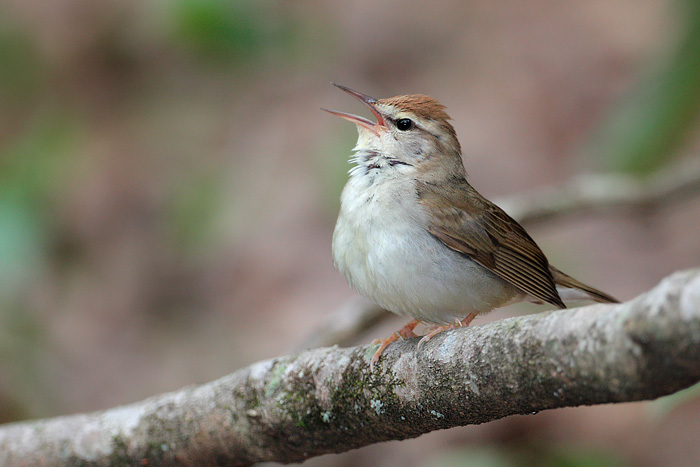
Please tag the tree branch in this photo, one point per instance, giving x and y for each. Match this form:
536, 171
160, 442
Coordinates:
329, 400
609, 192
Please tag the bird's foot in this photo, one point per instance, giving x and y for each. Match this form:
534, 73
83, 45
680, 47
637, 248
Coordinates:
405, 332
435, 330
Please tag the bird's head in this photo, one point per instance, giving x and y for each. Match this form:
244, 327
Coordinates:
411, 131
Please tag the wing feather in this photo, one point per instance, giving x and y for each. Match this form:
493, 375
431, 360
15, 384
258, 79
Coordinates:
468, 223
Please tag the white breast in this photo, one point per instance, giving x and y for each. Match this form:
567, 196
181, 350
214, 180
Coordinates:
382, 247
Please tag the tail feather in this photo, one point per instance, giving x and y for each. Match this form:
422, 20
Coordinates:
568, 282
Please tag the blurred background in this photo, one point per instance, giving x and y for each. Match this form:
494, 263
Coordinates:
169, 187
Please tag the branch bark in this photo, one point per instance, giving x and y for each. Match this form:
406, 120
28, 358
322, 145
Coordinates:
605, 192
329, 400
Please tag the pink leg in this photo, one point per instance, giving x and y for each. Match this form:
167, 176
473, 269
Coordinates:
403, 333
438, 329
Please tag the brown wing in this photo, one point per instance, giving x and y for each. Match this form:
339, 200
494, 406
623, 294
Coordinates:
477, 228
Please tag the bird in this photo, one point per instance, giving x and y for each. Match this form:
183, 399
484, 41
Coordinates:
415, 237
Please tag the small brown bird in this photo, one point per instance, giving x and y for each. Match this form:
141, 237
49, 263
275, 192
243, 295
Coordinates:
415, 237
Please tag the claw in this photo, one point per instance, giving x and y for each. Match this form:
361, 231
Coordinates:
435, 330
405, 332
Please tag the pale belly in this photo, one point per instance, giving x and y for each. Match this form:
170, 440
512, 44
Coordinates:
395, 262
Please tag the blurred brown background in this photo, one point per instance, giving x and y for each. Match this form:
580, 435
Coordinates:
169, 186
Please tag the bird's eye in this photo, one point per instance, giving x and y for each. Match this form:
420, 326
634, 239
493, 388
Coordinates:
404, 124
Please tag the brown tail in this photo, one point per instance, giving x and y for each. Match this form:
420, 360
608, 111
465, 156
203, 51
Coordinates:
564, 280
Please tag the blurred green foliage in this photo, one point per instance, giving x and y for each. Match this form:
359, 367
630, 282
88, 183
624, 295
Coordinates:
22, 246
27, 367
484, 456
33, 170
193, 209
35, 147
523, 455
648, 129
576, 456
229, 30
36, 164
332, 166
664, 405
20, 72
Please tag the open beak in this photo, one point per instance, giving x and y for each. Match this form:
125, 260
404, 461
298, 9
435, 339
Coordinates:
369, 102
